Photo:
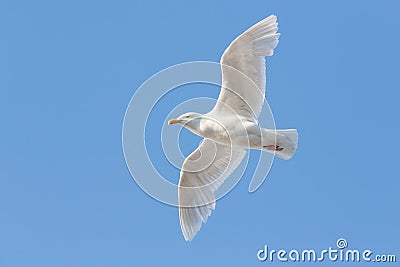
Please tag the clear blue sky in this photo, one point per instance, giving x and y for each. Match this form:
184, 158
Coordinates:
69, 68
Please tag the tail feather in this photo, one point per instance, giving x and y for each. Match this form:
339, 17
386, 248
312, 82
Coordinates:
285, 140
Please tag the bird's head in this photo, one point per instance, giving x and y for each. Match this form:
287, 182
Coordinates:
188, 120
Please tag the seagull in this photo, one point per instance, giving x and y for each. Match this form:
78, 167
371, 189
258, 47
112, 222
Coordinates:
231, 127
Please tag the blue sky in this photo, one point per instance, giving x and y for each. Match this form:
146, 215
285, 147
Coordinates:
69, 70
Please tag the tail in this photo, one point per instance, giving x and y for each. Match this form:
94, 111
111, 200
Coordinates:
281, 142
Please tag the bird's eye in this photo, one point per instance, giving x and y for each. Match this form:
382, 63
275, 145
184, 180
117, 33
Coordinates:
187, 116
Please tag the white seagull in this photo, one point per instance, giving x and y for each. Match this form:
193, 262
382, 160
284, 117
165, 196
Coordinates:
231, 127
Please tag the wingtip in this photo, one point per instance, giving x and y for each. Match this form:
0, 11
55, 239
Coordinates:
189, 237
272, 16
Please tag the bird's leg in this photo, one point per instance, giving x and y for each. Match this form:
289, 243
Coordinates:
273, 147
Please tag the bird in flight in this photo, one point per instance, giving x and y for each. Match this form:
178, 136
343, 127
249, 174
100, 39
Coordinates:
231, 127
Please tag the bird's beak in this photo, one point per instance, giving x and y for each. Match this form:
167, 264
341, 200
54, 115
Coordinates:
174, 121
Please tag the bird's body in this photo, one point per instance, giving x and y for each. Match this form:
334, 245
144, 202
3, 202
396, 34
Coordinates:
238, 132
224, 132
231, 127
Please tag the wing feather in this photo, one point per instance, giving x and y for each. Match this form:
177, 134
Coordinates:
243, 69
196, 188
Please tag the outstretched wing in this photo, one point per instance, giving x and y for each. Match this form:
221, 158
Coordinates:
202, 173
243, 69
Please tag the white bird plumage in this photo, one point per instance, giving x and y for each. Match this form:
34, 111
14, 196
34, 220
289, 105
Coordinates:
231, 127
